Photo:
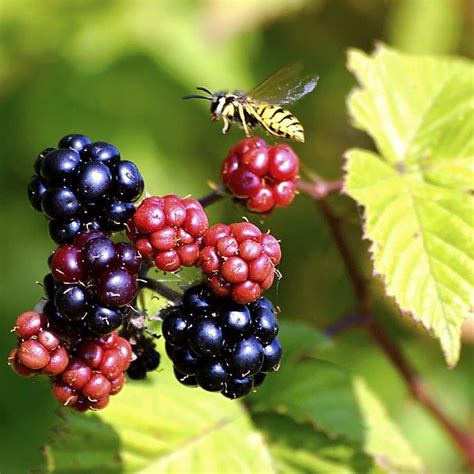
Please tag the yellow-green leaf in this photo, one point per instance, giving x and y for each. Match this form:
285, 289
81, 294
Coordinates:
417, 189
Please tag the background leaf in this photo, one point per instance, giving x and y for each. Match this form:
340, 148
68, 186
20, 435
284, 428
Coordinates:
161, 426
298, 448
336, 403
415, 192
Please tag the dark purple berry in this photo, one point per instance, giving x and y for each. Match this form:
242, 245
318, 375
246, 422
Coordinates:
198, 299
116, 287
265, 323
93, 181
99, 254
101, 152
272, 356
238, 387
136, 371
245, 357
39, 159
127, 257
64, 232
128, 181
184, 359
116, 216
36, 189
258, 379
188, 380
212, 376
59, 166
205, 337
236, 320
175, 327
60, 203
151, 359
102, 320
71, 301
50, 285
74, 142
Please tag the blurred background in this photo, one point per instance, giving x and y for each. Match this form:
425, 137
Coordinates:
116, 71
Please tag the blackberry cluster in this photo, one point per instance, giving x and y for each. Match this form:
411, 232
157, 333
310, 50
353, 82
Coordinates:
168, 231
145, 357
239, 260
84, 186
39, 348
220, 345
94, 373
261, 176
90, 283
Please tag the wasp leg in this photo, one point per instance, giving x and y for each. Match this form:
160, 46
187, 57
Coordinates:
244, 123
226, 126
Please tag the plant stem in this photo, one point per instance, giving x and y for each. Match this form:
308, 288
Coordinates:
161, 289
214, 196
462, 439
319, 188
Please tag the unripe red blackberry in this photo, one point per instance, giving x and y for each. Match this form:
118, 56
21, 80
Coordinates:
95, 373
239, 261
39, 349
261, 176
167, 230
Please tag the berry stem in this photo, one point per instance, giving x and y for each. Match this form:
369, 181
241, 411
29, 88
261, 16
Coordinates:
156, 286
319, 188
214, 196
161, 289
462, 439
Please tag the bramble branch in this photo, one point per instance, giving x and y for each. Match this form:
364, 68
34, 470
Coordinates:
463, 440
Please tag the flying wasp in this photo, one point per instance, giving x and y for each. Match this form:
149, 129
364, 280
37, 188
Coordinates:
262, 105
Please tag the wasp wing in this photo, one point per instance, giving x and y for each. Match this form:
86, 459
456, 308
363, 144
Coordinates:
285, 86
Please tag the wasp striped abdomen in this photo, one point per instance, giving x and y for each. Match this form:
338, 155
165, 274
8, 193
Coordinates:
280, 122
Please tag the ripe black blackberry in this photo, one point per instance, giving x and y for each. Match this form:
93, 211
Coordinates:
145, 357
220, 345
84, 186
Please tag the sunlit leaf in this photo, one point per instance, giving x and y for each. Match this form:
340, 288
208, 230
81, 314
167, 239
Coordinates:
336, 403
161, 426
418, 207
298, 448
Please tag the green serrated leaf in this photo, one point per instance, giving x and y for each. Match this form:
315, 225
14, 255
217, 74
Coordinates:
298, 448
160, 426
418, 207
336, 403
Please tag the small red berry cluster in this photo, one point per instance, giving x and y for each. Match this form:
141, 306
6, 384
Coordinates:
262, 176
39, 349
83, 377
94, 374
239, 260
168, 230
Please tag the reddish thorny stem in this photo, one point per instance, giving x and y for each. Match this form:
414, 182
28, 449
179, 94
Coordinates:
319, 190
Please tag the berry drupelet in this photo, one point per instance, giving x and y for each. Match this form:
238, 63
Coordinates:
220, 345
167, 230
239, 261
84, 186
94, 373
91, 283
262, 177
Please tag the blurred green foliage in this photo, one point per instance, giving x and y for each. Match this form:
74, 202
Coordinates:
116, 70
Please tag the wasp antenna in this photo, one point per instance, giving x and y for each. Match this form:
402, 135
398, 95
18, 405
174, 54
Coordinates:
204, 89
195, 96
